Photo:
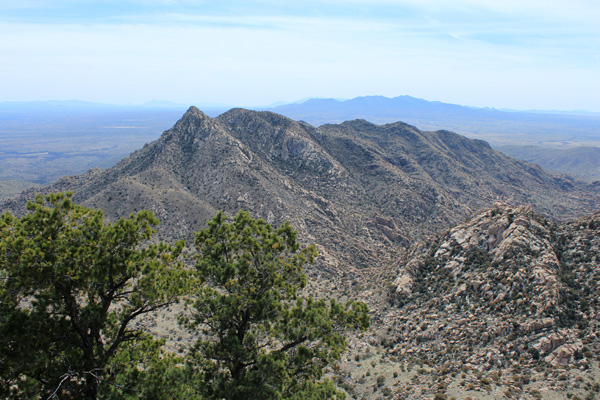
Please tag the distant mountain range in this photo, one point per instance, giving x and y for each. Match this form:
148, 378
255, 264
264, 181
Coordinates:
434, 115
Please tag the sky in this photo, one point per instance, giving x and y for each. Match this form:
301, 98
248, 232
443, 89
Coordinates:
517, 54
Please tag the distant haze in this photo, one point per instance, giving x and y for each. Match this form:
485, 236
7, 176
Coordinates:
505, 54
495, 126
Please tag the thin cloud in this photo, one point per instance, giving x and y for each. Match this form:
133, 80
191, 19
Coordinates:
263, 51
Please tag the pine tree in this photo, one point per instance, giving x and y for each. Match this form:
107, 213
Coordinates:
260, 337
72, 288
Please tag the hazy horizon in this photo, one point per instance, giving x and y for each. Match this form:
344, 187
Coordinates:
166, 104
535, 55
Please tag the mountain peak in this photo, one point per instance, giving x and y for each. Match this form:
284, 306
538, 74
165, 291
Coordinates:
193, 116
238, 112
502, 281
190, 124
193, 111
358, 123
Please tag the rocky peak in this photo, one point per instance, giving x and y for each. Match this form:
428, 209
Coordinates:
505, 289
194, 111
191, 123
328, 181
357, 124
288, 143
192, 116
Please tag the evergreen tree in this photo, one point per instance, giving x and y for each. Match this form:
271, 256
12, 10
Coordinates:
72, 289
259, 337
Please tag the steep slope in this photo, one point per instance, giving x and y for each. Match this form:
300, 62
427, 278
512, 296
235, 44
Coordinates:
558, 141
583, 161
506, 292
449, 170
361, 191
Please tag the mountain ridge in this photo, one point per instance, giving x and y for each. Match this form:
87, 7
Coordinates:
360, 190
530, 136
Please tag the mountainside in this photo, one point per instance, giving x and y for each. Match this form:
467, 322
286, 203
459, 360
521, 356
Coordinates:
581, 161
509, 296
359, 190
546, 138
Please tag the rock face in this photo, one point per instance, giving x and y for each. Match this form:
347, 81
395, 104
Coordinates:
506, 289
360, 191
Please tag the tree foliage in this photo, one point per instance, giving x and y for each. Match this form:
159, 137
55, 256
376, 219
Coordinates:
259, 336
72, 289
74, 292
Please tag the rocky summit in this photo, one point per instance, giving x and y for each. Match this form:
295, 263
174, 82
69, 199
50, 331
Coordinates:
362, 192
509, 296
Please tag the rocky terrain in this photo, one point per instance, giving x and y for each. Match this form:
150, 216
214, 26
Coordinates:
361, 191
507, 300
581, 161
557, 141
503, 305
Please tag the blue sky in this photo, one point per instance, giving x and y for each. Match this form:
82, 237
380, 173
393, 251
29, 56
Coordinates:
525, 54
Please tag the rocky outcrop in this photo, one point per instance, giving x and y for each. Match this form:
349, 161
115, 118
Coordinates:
388, 227
505, 289
564, 355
